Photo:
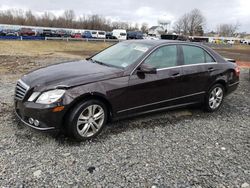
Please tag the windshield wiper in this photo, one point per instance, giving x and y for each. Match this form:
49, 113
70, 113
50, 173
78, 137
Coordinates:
101, 63
94, 61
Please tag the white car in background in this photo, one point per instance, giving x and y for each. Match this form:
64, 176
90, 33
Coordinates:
94, 34
119, 34
101, 34
231, 42
246, 42
151, 37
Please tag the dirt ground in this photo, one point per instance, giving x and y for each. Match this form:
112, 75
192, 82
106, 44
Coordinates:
238, 52
183, 148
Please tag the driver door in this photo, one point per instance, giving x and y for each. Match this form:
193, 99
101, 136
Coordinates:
148, 92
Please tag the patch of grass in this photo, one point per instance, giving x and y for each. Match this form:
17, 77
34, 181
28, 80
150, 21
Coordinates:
61, 48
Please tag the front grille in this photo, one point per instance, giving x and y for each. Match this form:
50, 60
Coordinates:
21, 90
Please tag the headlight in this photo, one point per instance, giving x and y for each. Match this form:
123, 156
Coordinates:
33, 96
50, 96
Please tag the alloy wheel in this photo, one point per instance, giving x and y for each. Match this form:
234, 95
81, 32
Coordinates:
90, 120
215, 98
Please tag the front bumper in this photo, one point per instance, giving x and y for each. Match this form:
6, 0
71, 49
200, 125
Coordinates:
48, 120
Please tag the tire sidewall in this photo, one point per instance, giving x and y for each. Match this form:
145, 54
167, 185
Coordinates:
207, 106
74, 115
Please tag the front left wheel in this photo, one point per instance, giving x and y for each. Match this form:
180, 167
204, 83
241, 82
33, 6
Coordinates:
87, 120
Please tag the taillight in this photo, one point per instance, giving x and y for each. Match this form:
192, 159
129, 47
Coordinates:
237, 70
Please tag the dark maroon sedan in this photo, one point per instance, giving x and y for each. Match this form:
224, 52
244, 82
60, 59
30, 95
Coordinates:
126, 79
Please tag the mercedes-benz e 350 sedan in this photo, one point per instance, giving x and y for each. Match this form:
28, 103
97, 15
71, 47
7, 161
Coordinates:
126, 79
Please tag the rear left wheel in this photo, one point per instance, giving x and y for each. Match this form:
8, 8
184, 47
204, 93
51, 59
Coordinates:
214, 98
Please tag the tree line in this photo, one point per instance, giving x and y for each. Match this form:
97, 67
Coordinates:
191, 23
67, 20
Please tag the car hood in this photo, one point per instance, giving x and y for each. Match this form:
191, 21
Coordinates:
69, 74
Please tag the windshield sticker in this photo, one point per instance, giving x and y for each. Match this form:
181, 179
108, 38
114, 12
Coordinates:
142, 49
124, 65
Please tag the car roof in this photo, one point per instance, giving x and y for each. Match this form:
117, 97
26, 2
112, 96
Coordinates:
155, 43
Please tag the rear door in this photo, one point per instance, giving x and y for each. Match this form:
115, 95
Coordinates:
197, 67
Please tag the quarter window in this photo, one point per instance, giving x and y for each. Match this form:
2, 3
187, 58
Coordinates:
209, 59
163, 57
195, 55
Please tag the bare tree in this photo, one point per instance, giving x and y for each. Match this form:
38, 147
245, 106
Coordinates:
47, 19
144, 27
178, 26
6, 17
196, 21
190, 23
68, 17
136, 26
30, 18
227, 30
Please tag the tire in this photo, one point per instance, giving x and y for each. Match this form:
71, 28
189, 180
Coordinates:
214, 98
87, 120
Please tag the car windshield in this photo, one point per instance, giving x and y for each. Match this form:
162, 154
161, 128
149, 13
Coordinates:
122, 54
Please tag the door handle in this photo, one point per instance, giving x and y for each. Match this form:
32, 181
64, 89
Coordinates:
211, 69
175, 75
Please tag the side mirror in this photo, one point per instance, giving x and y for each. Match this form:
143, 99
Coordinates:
146, 69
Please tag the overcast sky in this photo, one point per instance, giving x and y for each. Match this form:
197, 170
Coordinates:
215, 11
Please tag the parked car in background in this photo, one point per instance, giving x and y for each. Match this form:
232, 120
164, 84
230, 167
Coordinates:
127, 79
46, 33
231, 42
76, 35
101, 34
2, 33
61, 33
26, 32
246, 42
86, 34
11, 32
109, 35
39, 32
120, 34
134, 35
151, 37
94, 34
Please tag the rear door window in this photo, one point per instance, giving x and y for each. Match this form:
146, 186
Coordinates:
195, 55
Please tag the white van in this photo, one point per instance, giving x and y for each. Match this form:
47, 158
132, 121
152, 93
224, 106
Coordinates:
94, 34
120, 34
101, 34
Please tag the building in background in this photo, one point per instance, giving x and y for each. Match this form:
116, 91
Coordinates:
156, 31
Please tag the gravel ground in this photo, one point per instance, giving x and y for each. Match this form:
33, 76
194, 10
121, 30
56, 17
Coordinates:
182, 148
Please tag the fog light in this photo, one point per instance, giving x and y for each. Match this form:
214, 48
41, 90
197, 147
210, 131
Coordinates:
31, 121
36, 123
